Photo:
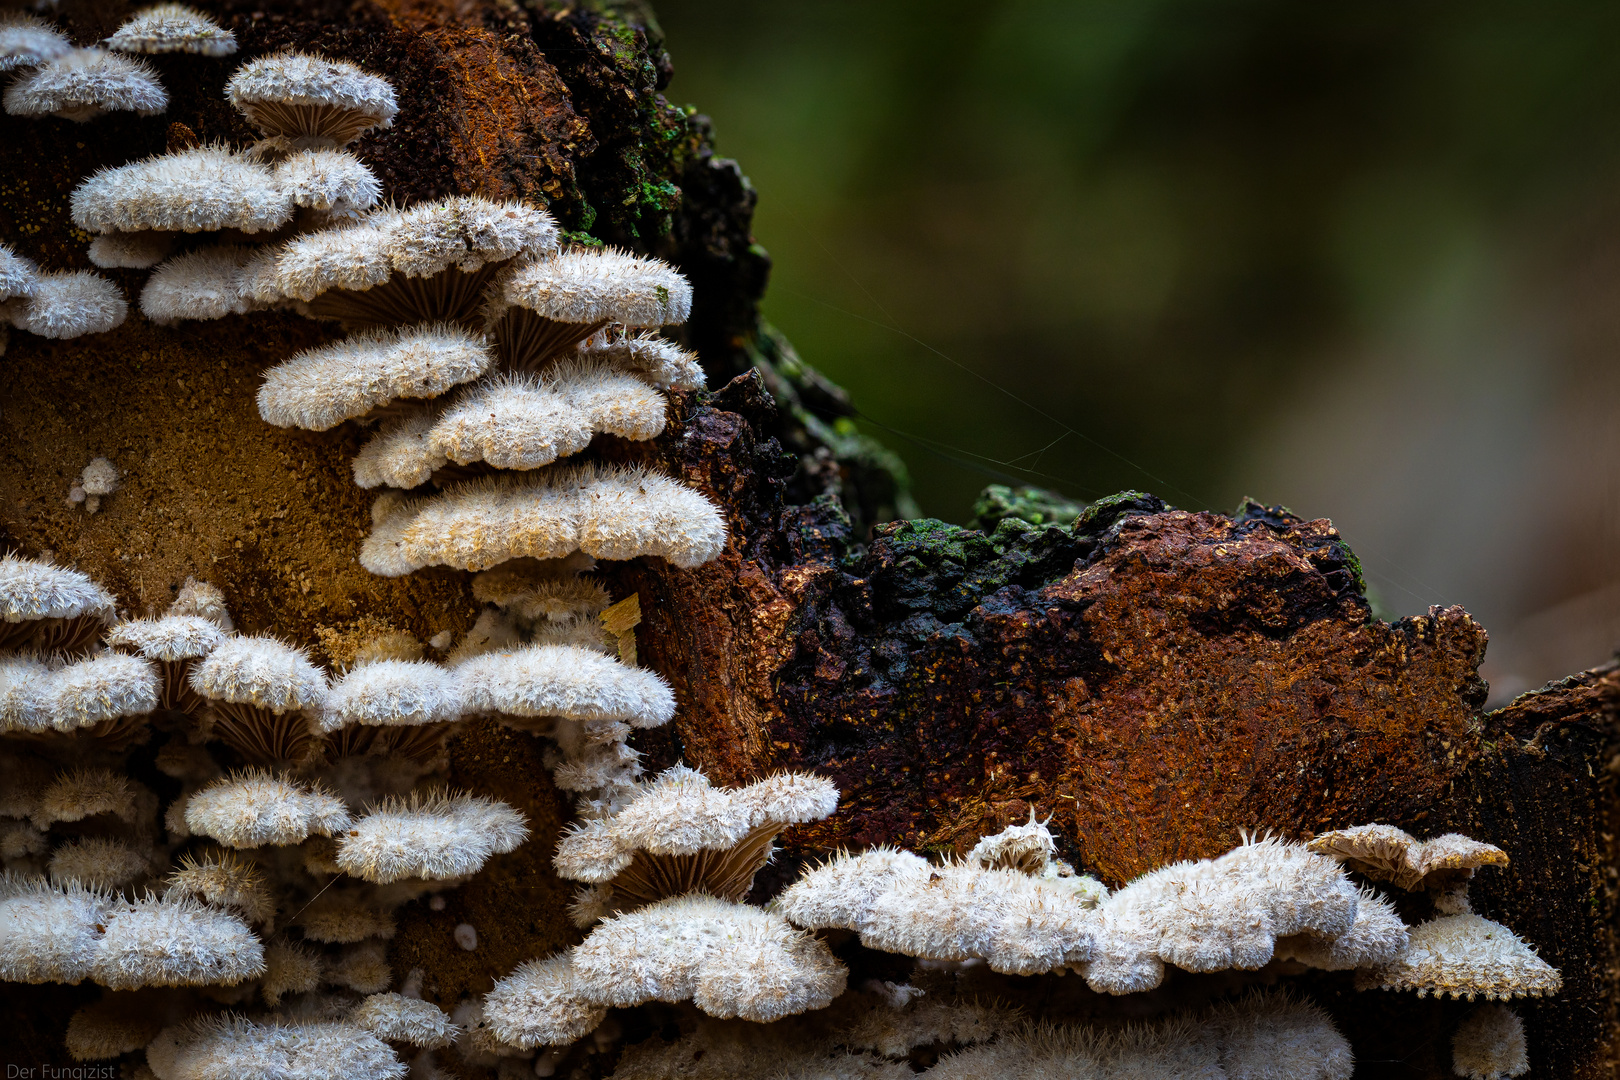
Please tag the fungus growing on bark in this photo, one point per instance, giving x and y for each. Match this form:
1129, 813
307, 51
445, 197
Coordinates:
208, 283
289, 969
1264, 1035
228, 1047
729, 959
899, 902
436, 836
311, 101
174, 643
679, 834
393, 693
1443, 865
515, 422
256, 808
1376, 937
130, 250
564, 681
343, 919
1210, 915
69, 304
29, 41
120, 1023
224, 879
204, 601
321, 387
1489, 1045
362, 968
662, 362
429, 263
81, 84
48, 609
166, 28
1464, 956
258, 691
545, 306
409, 1020
153, 942
86, 793
100, 690
606, 511
204, 189
1032, 850
332, 181
98, 863
98, 480
49, 933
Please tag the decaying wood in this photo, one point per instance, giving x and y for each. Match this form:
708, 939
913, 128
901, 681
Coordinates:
1155, 681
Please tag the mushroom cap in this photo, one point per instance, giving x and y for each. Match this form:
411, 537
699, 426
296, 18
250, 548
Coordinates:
322, 387
256, 808
206, 283
153, 942
435, 837
203, 189
606, 511
397, 1018
296, 78
464, 232
566, 681
1464, 956
173, 637
331, 180
593, 285
17, 274
84, 83
102, 687
31, 589
393, 693
1394, 855
69, 304
28, 41
130, 251
260, 671
172, 28
665, 364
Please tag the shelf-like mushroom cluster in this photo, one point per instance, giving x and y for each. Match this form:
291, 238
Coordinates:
667, 871
297, 812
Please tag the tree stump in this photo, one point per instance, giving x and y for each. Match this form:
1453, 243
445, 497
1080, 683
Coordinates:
1156, 682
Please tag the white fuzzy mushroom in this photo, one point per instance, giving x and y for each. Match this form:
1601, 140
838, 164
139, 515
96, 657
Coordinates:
167, 28
203, 189
609, 512
153, 942
84, 83
324, 386
310, 100
208, 283
410, 1020
433, 837
256, 808
69, 304
229, 1048
130, 250
334, 181
1465, 956
29, 41
49, 933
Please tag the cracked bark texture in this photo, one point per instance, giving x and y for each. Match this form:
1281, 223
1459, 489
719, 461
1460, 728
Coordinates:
1155, 681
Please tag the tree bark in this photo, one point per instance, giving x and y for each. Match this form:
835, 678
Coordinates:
1155, 681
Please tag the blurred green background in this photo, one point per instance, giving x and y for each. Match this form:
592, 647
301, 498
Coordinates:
1362, 260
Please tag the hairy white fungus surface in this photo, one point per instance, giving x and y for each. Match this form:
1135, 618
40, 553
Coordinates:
435, 836
81, 84
172, 28
256, 808
607, 511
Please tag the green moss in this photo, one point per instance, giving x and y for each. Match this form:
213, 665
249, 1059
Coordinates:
1037, 506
